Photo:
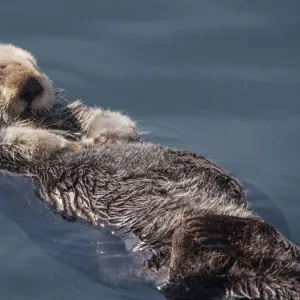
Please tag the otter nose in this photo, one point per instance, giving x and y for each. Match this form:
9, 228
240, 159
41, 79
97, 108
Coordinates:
30, 89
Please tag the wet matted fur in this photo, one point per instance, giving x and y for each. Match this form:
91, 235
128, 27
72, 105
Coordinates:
188, 211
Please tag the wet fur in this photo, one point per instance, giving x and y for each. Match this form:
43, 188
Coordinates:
188, 211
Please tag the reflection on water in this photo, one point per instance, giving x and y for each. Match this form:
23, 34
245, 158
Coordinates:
220, 79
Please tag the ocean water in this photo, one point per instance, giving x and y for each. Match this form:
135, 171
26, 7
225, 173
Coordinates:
221, 79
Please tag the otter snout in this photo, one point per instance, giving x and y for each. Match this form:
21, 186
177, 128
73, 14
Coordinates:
30, 89
24, 90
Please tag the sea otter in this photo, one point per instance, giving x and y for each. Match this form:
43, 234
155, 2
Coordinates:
189, 212
28, 97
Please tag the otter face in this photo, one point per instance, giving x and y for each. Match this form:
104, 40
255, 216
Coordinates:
24, 90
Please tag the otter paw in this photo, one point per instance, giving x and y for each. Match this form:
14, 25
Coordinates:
33, 145
73, 146
205, 233
110, 126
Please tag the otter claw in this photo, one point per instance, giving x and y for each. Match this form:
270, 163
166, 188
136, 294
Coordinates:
205, 233
197, 230
209, 242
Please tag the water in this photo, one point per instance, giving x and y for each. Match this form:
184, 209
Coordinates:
220, 79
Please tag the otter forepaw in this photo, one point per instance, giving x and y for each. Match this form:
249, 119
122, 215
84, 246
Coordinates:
110, 126
32, 145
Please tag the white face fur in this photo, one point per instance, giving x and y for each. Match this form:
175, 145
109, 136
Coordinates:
24, 90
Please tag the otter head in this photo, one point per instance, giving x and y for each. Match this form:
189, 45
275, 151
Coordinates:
24, 90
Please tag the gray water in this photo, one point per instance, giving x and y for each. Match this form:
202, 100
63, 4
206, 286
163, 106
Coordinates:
214, 77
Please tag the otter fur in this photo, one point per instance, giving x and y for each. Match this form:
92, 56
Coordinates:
28, 100
189, 212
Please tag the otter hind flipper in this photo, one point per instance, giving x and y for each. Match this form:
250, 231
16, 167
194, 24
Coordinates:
198, 261
234, 256
206, 235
